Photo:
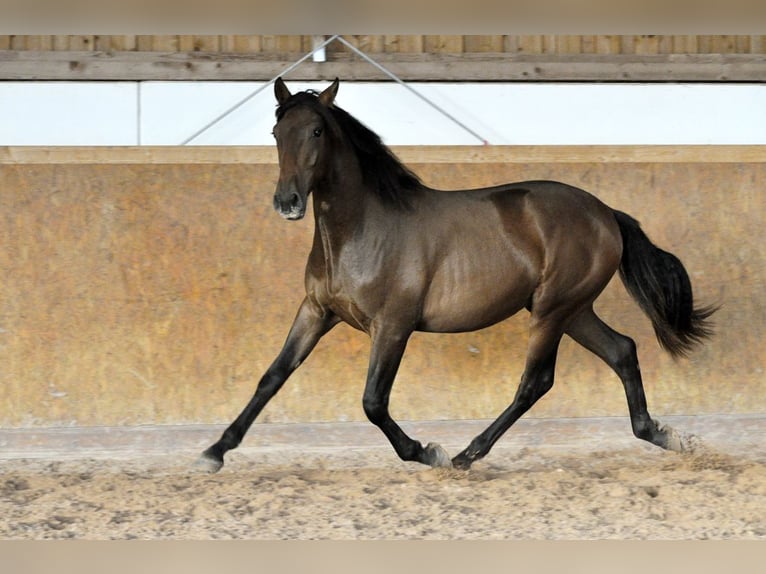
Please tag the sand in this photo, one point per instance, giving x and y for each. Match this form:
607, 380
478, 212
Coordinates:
525, 489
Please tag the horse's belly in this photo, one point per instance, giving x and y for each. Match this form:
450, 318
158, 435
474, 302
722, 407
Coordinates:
470, 307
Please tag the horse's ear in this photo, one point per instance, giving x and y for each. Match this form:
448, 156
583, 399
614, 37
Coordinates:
327, 97
281, 92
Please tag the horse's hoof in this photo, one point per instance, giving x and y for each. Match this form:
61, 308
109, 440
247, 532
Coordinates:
461, 462
677, 441
206, 463
436, 456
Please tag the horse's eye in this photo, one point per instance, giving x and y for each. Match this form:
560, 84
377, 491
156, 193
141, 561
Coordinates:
317, 132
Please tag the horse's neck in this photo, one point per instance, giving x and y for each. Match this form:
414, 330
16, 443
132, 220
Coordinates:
339, 210
342, 207
341, 199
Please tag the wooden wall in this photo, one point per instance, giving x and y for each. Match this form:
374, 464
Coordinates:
528, 44
410, 57
155, 285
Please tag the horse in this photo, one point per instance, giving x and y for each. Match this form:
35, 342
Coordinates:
391, 256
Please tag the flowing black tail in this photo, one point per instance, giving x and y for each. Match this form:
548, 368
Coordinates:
659, 283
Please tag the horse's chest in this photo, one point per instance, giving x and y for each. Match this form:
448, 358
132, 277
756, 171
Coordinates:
344, 301
346, 293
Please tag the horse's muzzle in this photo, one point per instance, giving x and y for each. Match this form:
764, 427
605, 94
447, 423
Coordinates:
290, 205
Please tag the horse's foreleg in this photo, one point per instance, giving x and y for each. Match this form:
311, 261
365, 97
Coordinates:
309, 326
386, 355
535, 382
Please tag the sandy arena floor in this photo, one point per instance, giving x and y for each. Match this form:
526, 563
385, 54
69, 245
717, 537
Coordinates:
546, 479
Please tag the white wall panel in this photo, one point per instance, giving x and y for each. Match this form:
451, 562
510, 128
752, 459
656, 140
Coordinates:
103, 113
68, 113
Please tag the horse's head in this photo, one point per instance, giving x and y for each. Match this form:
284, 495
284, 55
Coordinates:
301, 134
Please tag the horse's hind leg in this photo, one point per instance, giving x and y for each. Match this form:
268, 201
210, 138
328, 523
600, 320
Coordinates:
619, 352
544, 338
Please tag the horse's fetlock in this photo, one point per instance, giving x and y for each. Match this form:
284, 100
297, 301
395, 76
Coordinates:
645, 429
231, 439
474, 450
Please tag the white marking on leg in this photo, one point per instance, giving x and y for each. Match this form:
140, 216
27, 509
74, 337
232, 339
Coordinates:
438, 456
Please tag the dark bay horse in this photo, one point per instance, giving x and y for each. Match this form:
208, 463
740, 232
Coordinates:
391, 256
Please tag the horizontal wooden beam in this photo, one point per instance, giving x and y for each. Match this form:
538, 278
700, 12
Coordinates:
478, 67
739, 154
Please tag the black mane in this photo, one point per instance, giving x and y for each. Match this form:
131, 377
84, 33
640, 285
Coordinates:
381, 169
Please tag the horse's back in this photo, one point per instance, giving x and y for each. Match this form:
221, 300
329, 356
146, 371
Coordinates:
550, 197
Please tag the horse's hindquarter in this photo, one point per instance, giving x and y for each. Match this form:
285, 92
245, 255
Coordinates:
497, 250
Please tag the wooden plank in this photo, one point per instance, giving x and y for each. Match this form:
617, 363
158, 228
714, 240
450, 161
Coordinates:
443, 44
300, 44
31, 65
403, 44
39, 43
144, 43
165, 43
530, 44
102, 43
77, 43
374, 44
570, 44
246, 44
61, 43
588, 44
550, 45
647, 44
282, 44
705, 44
199, 43
627, 44
366, 43
11, 155
511, 44
268, 43
390, 43
226, 43
721, 44
123, 43
295, 44
608, 45
742, 45
685, 44
483, 43
664, 44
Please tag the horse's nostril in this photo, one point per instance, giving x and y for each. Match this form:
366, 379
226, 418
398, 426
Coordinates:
290, 204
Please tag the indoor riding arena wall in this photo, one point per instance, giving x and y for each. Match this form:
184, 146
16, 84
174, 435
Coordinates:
155, 286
